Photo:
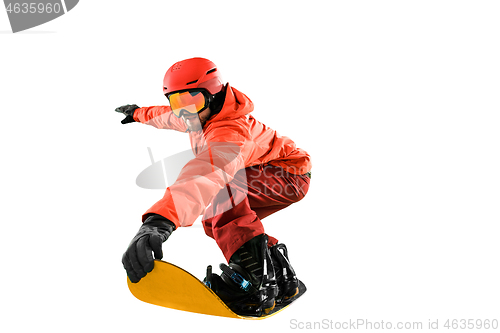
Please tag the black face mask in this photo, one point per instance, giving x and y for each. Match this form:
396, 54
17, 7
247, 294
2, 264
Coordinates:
218, 101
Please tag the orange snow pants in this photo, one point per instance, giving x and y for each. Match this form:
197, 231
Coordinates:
235, 214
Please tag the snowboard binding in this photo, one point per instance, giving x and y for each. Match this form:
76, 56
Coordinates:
247, 285
257, 278
288, 284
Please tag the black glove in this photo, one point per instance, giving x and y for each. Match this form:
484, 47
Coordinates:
138, 260
127, 110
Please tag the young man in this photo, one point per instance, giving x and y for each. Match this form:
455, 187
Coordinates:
243, 171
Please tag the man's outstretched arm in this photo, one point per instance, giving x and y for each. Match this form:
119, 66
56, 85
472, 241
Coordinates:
156, 116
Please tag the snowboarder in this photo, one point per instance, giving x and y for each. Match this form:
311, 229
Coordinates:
243, 171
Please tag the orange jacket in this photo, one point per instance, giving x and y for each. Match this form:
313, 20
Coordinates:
230, 141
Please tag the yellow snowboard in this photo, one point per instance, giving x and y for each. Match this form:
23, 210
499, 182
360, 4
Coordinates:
172, 287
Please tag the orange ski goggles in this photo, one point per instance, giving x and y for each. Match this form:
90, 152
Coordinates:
191, 101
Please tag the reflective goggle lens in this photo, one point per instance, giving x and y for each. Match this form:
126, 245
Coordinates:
191, 101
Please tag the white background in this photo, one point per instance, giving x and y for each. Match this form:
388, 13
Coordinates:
397, 102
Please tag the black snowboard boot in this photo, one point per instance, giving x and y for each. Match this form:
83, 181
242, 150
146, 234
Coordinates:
247, 285
288, 284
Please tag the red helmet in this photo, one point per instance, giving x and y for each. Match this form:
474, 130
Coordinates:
191, 74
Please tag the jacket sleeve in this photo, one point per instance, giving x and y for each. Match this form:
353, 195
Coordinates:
159, 117
201, 179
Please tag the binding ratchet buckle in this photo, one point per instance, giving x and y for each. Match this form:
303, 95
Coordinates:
237, 278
